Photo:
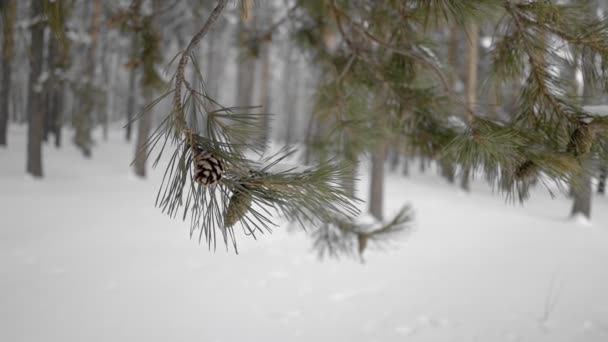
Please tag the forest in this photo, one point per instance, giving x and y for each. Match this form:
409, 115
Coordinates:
338, 135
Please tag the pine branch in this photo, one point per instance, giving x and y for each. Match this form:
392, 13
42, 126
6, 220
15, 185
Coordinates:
185, 54
210, 181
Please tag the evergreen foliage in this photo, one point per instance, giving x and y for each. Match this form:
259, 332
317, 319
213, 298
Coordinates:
384, 82
249, 192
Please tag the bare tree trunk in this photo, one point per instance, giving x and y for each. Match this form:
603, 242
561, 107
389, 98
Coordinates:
130, 101
8, 23
84, 121
471, 100
144, 125
35, 103
581, 193
265, 91
290, 98
601, 185
447, 170
376, 190
394, 159
453, 57
406, 167
246, 64
55, 90
145, 121
109, 61
581, 190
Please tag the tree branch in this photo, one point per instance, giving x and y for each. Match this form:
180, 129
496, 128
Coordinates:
181, 67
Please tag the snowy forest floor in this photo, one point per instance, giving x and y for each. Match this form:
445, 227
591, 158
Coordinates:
85, 256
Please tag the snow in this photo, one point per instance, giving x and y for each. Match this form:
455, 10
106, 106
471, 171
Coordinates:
85, 256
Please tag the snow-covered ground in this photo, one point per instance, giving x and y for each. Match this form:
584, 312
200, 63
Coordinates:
85, 256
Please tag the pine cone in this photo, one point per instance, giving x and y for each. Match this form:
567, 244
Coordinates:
240, 202
208, 170
527, 169
581, 140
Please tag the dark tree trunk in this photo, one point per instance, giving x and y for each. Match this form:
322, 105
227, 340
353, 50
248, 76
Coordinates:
376, 190
394, 159
406, 167
83, 138
144, 125
465, 181
35, 100
54, 91
447, 170
8, 21
601, 183
471, 92
130, 103
582, 192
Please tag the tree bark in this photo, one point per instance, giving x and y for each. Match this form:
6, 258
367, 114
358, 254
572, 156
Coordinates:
144, 124
453, 57
601, 185
8, 23
471, 95
83, 138
35, 103
265, 91
376, 191
246, 65
290, 87
582, 192
130, 100
55, 91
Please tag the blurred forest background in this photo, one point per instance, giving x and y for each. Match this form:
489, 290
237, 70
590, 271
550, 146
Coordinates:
507, 91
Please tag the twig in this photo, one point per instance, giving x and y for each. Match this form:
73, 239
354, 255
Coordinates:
185, 54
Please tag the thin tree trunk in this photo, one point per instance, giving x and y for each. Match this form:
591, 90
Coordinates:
8, 24
130, 102
394, 159
246, 65
406, 167
290, 99
601, 184
84, 125
54, 91
144, 124
376, 191
471, 96
110, 80
581, 193
35, 103
145, 121
453, 57
265, 91
447, 170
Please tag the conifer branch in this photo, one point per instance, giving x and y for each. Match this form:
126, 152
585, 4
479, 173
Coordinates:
185, 54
